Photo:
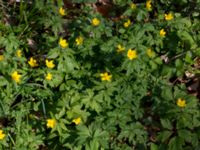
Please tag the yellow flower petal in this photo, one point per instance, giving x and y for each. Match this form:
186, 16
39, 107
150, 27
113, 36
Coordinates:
95, 21
2, 135
50, 64
63, 43
162, 33
51, 123
1, 57
49, 76
120, 48
148, 5
169, 16
132, 54
61, 11
79, 40
127, 23
32, 62
133, 6
105, 76
19, 53
77, 121
181, 103
16, 76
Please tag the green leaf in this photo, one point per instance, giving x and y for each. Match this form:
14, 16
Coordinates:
179, 64
187, 39
164, 135
53, 53
176, 143
188, 58
167, 93
166, 124
3, 81
185, 134
158, 60
153, 146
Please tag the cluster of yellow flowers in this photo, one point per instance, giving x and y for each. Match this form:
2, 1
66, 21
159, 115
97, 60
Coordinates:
16, 76
33, 63
51, 123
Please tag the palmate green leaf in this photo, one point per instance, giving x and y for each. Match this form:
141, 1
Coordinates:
166, 124
84, 134
179, 64
135, 133
188, 58
153, 65
10, 43
164, 135
167, 93
93, 145
187, 39
92, 101
185, 134
176, 143
54, 53
153, 146
3, 81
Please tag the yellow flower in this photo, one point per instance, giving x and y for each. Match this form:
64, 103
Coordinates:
63, 43
50, 64
19, 53
32, 62
132, 54
127, 23
61, 11
51, 123
1, 57
150, 53
79, 40
105, 76
169, 16
77, 121
133, 6
120, 48
16, 77
49, 76
95, 21
2, 135
181, 102
148, 5
162, 33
